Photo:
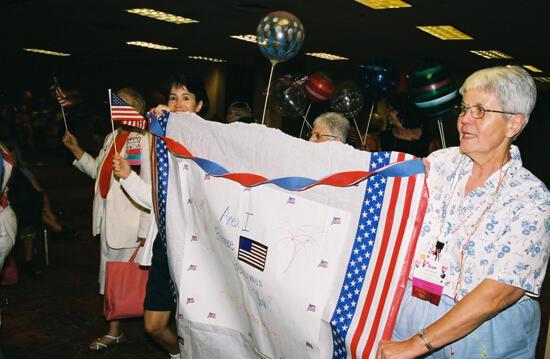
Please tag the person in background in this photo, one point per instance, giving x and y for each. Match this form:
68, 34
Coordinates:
186, 94
330, 126
482, 253
239, 111
8, 221
405, 132
120, 222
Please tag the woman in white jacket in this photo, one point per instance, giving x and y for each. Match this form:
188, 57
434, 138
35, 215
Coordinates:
121, 223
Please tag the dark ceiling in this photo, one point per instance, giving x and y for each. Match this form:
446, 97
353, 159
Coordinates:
97, 31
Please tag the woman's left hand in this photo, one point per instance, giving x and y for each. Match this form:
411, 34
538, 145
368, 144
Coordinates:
121, 168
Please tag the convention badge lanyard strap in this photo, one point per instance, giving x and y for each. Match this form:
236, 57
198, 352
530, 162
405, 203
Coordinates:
447, 204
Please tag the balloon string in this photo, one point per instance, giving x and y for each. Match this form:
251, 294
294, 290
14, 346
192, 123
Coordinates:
307, 111
268, 90
441, 133
302, 129
358, 132
305, 121
368, 122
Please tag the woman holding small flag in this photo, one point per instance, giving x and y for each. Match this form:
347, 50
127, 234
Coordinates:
121, 223
186, 94
482, 252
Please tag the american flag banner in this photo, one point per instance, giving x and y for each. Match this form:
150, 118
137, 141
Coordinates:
121, 111
60, 95
321, 278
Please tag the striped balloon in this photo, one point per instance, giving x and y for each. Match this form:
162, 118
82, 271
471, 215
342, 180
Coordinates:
319, 87
432, 88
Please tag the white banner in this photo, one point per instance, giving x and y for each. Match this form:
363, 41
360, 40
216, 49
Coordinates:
267, 272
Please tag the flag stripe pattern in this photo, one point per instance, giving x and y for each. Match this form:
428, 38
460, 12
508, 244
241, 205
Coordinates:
364, 314
121, 111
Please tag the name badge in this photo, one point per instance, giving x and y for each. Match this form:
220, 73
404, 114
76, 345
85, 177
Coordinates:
428, 277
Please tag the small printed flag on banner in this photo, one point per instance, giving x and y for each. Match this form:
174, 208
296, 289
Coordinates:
308, 344
311, 308
194, 238
211, 315
192, 267
291, 200
126, 114
206, 177
323, 264
60, 95
252, 252
190, 300
336, 220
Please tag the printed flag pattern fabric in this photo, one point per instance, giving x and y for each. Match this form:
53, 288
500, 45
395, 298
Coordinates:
160, 174
121, 111
328, 268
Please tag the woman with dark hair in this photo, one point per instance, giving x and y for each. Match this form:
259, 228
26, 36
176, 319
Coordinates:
186, 94
121, 223
405, 132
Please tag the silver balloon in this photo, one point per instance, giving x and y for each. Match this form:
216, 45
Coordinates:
280, 36
294, 101
347, 99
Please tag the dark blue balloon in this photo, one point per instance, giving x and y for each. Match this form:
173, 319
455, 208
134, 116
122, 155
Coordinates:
378, 78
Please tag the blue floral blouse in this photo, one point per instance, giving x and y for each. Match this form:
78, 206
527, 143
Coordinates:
504, 229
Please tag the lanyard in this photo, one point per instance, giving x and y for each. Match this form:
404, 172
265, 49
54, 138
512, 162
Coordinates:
445, 208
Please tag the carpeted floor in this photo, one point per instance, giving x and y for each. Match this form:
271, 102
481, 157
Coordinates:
59, 314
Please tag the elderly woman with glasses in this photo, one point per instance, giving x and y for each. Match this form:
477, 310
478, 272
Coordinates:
482, 252
330, 126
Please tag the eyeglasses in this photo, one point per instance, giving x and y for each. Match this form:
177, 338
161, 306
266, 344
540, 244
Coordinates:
476, 111
317, 136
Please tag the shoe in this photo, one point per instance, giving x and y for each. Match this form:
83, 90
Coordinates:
98, 345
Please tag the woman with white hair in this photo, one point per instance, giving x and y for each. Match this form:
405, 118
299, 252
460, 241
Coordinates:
483, 248
330, 126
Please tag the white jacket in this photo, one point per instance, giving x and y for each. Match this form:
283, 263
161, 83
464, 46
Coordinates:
125, 220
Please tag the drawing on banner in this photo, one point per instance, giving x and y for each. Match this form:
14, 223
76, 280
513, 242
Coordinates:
297, 239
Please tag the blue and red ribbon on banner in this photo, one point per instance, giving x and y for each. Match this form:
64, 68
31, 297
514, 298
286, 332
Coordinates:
340, 179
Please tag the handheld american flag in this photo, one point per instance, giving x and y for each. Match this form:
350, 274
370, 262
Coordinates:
60, 95
126, 114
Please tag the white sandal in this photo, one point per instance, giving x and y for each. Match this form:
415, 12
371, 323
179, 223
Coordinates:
101, 346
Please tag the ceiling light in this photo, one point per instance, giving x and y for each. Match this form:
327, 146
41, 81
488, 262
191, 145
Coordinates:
47, 52
384, 4
326, 56
211, 59
247, 37
159, 15
542, 79
491, 54
445, 32
150, 45
532, 68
